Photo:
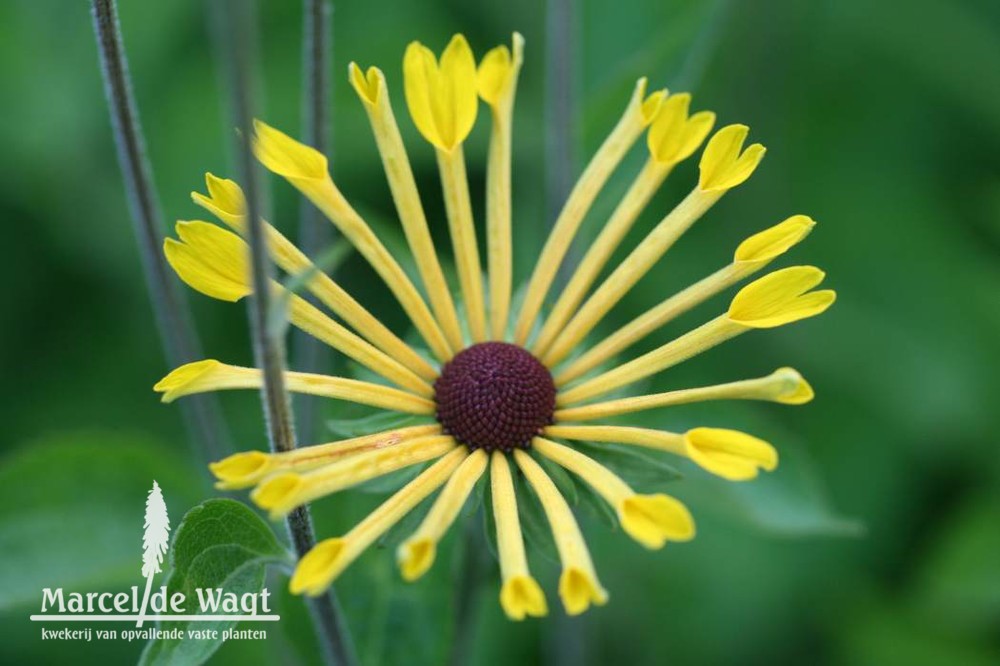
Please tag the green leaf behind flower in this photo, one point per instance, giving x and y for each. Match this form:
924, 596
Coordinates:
220, 544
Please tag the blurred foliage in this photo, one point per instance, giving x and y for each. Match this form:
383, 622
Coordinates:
881, 123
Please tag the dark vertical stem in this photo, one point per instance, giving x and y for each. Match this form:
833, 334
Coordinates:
315, 234
202, 418
470, 584
560, 118
267, 341
567, 638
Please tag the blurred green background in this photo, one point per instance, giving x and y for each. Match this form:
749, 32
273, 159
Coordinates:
875, 542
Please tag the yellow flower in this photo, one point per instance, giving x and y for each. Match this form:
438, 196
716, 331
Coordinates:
501, 394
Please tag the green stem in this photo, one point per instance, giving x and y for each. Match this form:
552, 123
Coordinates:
203, 420
315, 234
469, 585
268, 343
567, 643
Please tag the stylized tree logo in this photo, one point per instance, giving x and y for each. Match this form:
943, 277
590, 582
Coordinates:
155, 541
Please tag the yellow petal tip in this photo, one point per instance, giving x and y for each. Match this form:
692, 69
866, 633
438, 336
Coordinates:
730, 454
283, 155
796, 390
781, 297
416, 557
367, 84
521, 596
181, 381
725, 164
277, 495
240, 470
318, 568
652, 520
579, 589
776, 240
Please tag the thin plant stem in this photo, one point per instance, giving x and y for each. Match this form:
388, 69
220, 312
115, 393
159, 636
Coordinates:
267, 339
567, 637
202, 419
470, 583
559, 112
315, 234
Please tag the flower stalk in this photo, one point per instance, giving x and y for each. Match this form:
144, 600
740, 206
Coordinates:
267, 341
315, 235
202, 419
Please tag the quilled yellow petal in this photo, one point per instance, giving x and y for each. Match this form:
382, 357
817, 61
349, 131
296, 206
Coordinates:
784, 385
283, 492
520, 593
578, 583
638, 114
328, 559
417, 553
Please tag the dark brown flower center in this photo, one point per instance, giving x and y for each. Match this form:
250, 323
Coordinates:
494, 396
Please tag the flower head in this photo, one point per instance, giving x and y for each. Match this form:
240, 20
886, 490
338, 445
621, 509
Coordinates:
497, 394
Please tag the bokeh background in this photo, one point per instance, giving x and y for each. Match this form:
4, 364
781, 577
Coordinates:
876, 541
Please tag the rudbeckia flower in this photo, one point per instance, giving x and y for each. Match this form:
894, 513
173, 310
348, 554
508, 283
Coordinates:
504, 391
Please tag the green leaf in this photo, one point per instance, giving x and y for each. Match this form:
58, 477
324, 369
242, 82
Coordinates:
490, 528
371, 424
88, 491
534, 524
219, 544
644, 470
391, 482
597, 506
789, 501
564, 482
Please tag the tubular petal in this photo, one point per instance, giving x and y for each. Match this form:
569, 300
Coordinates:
227, 203
276, 151
624, 216
281, 493
416, 554
751, 256
308, 317
638, 114
374, 94
497, 82
649, 519
520, 594
320, 566
784, 385
245, 469
727, 453
578, 584
630, 271
723, 166
458, 207
211, 375
668, 355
